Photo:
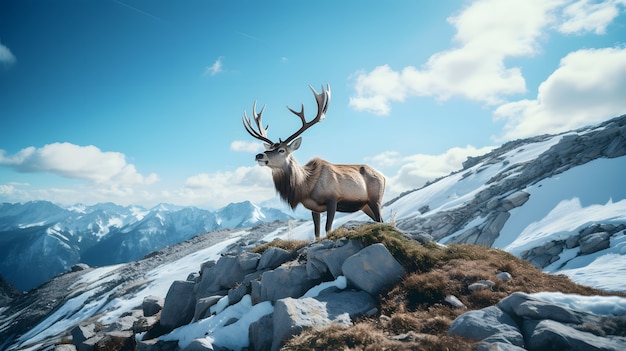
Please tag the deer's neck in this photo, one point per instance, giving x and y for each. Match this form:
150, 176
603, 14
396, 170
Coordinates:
291, 182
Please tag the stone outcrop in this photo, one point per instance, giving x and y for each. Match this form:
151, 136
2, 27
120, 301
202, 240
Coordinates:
373, 269
355, 275
326, 282
332, 283
523, 322
291, 316
505, 190
589, 240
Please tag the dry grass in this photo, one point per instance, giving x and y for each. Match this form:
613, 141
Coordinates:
413, 314
289, 245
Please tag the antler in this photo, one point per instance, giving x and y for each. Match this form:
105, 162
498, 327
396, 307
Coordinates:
247, 124
323, 99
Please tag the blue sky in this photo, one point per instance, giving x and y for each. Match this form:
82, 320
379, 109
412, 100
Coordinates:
140, 102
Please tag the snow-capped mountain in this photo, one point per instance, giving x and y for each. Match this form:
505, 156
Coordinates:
40, 239
558, 201
247, 214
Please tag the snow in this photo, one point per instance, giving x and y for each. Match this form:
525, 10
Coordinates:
74, 311
340, 282
566, 202
565, 220
606, 271
25, 226
161, 278
214, 331
558, 207
598, 305
97, 277
454, 190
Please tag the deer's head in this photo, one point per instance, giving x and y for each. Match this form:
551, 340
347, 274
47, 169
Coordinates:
278, 155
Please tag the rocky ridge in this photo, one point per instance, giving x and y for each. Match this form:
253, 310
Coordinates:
493, 205
506, 189
329, 283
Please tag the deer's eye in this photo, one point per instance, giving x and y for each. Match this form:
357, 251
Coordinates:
282, 151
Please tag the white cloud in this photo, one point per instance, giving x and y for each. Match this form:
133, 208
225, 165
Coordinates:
416, 170
589, 16
588, 87
215, 68
220, 188
7, 189
77, 162
246, 146
6, 56
488, 32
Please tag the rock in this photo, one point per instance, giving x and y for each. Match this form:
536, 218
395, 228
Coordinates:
248, 261
199, 345
481, 285
572, 242
157, 345
373, 269
504, 276
193, 277
490, 233
551, 335
419, 236
226, 273
487, 322
151, 305
125, 322
292, 316
498, 346
65, 347
89, 344
333, 257
315, 265
261, 333
544, 326
143, 324
455, 302
274, 257
514, 200
237, 293
229, 272
179, 305
79, 267
594, 242
288, 280
118, 341
82, 333
202, 306
527, 307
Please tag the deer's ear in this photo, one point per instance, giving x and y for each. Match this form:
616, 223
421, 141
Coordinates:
295, 145
268, 147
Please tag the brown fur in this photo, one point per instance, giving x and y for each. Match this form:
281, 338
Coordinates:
319, 185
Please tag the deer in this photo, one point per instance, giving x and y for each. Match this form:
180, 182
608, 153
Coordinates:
320, 186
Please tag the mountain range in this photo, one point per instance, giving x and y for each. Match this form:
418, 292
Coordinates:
557, 201
39, 239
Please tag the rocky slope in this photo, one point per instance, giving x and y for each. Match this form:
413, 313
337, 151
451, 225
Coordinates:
554, 200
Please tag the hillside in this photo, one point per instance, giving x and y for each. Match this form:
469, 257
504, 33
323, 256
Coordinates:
103, 234
552, 203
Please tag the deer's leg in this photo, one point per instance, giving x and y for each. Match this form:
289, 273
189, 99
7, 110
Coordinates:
316, 223
375, 210
331, 208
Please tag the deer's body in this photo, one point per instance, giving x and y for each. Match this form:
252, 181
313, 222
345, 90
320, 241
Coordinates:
319, 186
